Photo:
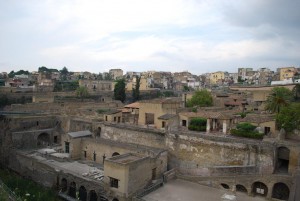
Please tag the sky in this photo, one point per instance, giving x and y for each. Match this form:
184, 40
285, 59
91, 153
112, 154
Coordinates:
198, 36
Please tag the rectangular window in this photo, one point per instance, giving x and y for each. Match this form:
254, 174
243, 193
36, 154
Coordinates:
163, 124
105, 118
115, 118
267, 130
184, 123
67, 147
153, 173
84, 152
114, 182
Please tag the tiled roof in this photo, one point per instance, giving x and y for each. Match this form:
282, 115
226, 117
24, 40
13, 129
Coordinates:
207, 114
167, 116
258, 118
133, 105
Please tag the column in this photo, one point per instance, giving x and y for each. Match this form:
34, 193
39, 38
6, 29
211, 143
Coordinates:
224, 126
208, 125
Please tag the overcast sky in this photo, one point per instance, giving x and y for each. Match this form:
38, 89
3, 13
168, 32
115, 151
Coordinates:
140, 35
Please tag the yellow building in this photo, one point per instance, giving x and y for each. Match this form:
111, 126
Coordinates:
287, 73
143, 84
153, 112
217, 77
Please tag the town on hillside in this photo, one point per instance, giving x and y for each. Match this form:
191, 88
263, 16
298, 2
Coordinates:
145, 136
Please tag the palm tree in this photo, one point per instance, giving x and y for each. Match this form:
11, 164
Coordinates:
296, 91
279, 97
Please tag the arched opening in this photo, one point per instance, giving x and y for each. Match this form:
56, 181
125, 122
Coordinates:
259, 188
281, 191
93, 196
241, 188
225, 186
283, 158
115, 199
72, 189
43, 140
64, 185
115, 154
82, 193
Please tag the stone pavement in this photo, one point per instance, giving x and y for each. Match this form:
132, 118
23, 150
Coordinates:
180, 190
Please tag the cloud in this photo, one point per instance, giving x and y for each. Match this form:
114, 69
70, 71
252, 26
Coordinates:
195, 35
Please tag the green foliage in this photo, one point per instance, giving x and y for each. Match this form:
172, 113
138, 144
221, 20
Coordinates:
198, 124
289, 117
20, 72
66, 85
82, 92
136, 90
202, 98
119, 91
186, 88
296, 91
279, 97
45, 69
245, 127
64, 72
250, 134
108, 76
21, 187
101, 111
246, 130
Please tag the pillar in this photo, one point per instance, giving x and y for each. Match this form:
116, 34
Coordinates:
214, 124
208, 125
224, 126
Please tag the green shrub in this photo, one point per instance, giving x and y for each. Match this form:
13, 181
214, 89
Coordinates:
101, 111
245, 126
198, 124
249, 134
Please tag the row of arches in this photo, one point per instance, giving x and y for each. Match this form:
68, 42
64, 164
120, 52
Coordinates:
82, 193
280, 190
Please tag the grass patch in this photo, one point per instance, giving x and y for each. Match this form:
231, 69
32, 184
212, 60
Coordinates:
25, 188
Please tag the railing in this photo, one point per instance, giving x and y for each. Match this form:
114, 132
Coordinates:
12, 196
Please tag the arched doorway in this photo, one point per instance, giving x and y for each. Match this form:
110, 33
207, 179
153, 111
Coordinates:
225, 186
241, 188
43, 140
82, 193
283, 158
64, 185
93, 195
259, 188
115, 154
72, 189
281, 191
115, 199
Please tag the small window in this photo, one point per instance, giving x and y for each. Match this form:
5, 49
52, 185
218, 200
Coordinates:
114, 182
55, 139
105, 118
84, 152
95, 156
163, 124
115, 118
184, 123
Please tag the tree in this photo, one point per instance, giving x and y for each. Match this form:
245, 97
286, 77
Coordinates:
296, 91
64, 73
82, 92
289, 117
136, 89
279, 97
202, 98
119, 91
108, 76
